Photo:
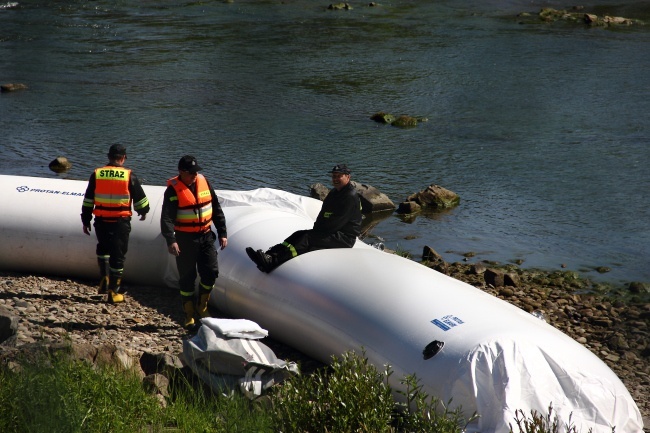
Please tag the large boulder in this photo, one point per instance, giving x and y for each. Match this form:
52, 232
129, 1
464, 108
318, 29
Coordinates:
60, 164
372, 200
8, 327
318, 191
433, 197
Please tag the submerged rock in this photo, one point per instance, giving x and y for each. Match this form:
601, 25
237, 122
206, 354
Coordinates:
403, 121
435, 197
576, 15
60, 165
12, 87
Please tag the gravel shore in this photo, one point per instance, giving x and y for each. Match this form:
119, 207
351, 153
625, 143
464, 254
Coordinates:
53, 309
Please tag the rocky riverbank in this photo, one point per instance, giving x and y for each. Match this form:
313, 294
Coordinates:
54, 309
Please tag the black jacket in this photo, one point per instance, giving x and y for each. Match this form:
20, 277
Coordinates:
341, 212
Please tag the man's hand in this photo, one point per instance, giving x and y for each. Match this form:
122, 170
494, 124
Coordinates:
143, 217
87, 230
174, 250
223, 242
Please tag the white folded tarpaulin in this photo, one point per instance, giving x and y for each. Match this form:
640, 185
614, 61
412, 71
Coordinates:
235, 328
223, 362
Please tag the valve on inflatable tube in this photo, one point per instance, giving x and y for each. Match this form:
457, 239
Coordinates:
432, 349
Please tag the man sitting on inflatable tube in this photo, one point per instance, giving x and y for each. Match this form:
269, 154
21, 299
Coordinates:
337, 226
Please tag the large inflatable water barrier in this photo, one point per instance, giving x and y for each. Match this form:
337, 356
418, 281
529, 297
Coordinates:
463, 345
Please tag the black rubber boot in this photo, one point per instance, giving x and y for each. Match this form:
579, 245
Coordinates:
263, 261
279, 254
102, 262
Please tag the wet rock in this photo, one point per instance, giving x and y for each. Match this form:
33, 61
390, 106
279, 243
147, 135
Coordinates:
431, 255
60, 165
408, 207
12, 87
372, 200
577, 16
434, 260
340, 6
494, 277
638, 287
402, 121
479, 268
405, 122
435, 197
318, 191
382, 117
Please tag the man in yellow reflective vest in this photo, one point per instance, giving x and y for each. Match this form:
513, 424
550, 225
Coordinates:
111, 192
190, 206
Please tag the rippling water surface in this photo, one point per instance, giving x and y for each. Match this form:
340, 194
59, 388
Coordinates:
542, 129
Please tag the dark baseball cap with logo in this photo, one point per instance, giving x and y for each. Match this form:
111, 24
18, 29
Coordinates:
188, 163
116, 150
341, 168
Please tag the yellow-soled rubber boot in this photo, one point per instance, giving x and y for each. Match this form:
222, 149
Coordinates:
114, 295
188, 308
202, 307
115, 298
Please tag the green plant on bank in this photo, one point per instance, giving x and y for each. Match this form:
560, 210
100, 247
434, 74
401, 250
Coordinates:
425, 414
56, 395
353, 396
399, 251
538, 423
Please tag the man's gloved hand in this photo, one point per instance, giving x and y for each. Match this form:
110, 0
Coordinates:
87, 230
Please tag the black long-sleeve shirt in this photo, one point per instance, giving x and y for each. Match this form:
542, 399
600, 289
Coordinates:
135, 191
170, 208
341, 212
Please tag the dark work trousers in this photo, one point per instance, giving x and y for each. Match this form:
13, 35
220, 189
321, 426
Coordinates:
113, 240
304, 241
197, 253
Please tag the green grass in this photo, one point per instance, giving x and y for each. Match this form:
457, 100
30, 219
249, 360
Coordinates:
350, 396
58, 395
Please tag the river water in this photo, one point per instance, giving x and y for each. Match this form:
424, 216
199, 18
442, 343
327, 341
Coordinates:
542, 129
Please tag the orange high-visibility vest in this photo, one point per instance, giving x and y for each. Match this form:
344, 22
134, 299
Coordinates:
194, 213
112, 197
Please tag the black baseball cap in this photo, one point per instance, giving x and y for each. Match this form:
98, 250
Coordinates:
341, 168
188, 163
116, 150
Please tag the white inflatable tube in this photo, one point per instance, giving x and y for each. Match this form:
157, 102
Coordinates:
495, 358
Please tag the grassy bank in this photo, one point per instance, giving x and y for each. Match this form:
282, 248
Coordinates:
59, 395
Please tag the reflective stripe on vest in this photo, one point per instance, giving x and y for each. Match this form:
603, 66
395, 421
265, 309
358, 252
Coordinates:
112, 198
194, 214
